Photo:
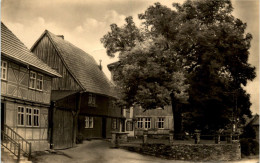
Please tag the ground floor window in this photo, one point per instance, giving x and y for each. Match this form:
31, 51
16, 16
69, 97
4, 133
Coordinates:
20, 116
129, 126
28, 117
114, 123
147, 122
160, 123
36, 114
139, 122
89, 123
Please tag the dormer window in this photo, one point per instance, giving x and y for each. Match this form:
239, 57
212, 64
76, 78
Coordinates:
3, 70
32, 80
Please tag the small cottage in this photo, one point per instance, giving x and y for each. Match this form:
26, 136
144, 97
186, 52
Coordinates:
83, 101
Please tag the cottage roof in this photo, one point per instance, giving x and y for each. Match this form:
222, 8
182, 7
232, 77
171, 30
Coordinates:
81, 65
14, 49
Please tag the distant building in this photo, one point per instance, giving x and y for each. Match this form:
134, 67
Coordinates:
156, 121
254, 122
26, 84
83, 99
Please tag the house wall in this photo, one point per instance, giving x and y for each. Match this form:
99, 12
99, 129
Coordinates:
15, 92
154, 114
17, 85
48, 54
38, 136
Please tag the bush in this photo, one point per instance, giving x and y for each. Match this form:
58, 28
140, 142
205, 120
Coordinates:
79, 139
249, 146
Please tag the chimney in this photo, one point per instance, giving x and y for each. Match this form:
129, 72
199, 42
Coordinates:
100, 66
61, 36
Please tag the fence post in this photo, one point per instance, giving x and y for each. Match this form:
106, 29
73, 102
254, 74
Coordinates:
30, 151
197, 136
217, 138
171, 136
18, 157
145, 133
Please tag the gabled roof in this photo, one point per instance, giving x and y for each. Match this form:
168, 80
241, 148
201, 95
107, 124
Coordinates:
13, 48
81, 65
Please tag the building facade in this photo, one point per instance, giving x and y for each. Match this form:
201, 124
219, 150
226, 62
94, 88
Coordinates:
25, 91
156, 121
83, 99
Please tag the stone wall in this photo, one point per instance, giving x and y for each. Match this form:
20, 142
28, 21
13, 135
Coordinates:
194, 152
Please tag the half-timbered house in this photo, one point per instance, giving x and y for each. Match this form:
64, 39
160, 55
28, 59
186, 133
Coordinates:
83, 101
25, 94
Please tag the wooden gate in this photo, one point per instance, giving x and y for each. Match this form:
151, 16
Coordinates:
62, 136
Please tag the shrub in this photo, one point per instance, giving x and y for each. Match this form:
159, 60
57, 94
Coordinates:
79, 139
249, 146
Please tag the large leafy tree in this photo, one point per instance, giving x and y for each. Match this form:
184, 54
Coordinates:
196, 53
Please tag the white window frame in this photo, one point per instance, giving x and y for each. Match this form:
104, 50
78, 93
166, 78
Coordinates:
147, 123
36, 117
91, 99
32, 80
39, 82
139, 123
20, 116
3, 70
89, 122
29, 116
160, 122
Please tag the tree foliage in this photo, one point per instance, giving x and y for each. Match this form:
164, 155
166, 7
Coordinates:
197, 53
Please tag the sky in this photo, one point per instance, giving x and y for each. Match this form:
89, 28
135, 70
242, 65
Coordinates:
85, 22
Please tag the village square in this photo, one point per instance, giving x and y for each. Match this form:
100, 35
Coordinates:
130, 81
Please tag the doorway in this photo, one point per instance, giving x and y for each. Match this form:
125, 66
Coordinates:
104, 126
2, 116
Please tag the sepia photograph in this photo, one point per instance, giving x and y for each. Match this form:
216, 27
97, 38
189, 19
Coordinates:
129, 81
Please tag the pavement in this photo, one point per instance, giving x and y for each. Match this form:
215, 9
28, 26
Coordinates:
100, 151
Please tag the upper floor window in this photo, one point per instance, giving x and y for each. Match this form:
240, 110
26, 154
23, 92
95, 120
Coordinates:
89, 123
32, 80
20, 116
92, 99
3, 70
160, 123
39, 82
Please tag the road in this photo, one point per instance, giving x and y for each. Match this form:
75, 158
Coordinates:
99, 151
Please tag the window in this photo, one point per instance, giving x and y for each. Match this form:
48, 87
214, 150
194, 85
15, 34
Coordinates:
160, 123
129, 126
89, 123
147, 122
20, 113
114, 123
3, 70
32, 80
28, 117
39, 82
92, 99
140, 123
36, 114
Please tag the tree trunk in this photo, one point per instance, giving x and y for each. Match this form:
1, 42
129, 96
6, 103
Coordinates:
177, 119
